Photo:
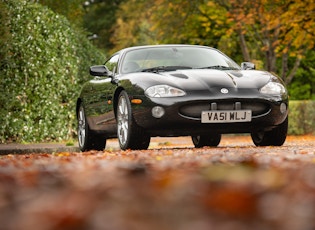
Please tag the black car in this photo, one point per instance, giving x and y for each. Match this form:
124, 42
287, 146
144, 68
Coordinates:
179, 90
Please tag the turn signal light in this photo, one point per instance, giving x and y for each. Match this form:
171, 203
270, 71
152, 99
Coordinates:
136, 101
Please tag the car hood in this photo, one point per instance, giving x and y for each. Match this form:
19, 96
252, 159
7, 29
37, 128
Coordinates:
201, 79
205, 81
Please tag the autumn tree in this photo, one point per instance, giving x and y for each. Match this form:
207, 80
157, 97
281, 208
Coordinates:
298, 34
133, 24
73, 10
99, 20
175, 21
278, 27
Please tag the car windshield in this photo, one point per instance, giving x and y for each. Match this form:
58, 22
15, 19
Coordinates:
169, 58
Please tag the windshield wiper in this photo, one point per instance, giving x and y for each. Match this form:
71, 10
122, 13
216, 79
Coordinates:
220, 67
165, 68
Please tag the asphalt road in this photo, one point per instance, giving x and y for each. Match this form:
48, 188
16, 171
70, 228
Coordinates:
228, 141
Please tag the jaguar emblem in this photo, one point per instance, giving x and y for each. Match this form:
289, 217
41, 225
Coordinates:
224, 90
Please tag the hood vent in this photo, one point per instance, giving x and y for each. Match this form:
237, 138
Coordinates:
180, 75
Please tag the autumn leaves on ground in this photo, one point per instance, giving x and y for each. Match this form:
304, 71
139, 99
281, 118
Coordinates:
234, 186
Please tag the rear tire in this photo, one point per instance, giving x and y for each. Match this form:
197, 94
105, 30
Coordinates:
275, 137
130, 135
88, 140
206, 140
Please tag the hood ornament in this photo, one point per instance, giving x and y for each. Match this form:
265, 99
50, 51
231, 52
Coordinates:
224, 90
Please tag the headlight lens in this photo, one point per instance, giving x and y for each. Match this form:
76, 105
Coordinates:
164, 91
273, 88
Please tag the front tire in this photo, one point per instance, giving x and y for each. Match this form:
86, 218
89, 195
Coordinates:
206, 140
130, 135
88, 140
275, 137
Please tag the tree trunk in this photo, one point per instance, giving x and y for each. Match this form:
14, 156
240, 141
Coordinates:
289, 78
244, 48
284, 67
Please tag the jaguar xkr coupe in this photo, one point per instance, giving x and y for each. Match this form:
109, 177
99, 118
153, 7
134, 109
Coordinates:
179, 90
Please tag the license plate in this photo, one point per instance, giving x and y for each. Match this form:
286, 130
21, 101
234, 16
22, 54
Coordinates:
227, 116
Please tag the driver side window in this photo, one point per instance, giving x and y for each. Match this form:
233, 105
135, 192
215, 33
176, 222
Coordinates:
111, 64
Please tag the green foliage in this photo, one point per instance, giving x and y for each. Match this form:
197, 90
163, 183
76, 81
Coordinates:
99, 19
302, 117
4, 37
133, 24
73, 10
303, 85
299, 89
44, 63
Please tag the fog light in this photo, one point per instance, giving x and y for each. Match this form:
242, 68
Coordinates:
158, 112
283, 108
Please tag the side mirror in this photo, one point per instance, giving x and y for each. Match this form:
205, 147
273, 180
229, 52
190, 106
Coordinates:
248, 66
99, 70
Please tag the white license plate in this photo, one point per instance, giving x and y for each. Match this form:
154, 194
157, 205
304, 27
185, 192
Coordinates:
226, 116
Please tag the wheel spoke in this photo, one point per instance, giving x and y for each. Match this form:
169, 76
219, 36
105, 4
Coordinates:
120, 109
81, 127
122, 118
123, 106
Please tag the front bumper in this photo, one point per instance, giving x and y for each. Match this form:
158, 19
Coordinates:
183, 117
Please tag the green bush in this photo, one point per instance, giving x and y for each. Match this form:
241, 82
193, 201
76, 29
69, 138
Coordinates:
302, 117
44, 62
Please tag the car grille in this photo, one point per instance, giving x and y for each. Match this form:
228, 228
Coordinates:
194, 110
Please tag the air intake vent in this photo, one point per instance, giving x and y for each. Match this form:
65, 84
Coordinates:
180, 75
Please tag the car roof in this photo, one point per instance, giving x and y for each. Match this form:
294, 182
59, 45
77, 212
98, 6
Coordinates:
161, 46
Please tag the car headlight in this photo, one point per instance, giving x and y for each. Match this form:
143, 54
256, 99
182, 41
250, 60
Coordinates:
164, 91
274, 88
